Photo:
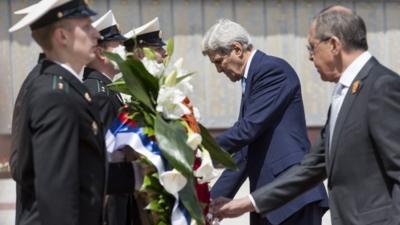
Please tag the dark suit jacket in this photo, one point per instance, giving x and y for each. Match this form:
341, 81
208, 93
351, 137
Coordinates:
59, 159
272, 126
363, 165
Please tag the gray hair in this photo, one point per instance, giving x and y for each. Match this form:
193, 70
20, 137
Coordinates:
341, 22
223, 34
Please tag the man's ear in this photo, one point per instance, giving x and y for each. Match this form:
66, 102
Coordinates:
237, 49
336, 45
99, 54
61, 36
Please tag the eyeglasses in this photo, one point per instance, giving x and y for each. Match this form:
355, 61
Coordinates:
312, 47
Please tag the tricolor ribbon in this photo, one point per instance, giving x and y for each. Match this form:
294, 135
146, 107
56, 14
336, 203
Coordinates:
125, 132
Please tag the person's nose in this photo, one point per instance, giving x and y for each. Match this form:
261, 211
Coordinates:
164, 52
219, 69
310, 57
96, 34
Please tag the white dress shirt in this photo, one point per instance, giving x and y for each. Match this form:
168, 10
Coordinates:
341, 88
246, 70
79, 75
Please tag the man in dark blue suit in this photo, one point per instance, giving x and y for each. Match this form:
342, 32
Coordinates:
270, 135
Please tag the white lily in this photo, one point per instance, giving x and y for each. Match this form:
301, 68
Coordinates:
174, 72
173, 181
153, 67
206, 172
178, 64
120, 50
194, 140
196, 113
185, 86
169, 103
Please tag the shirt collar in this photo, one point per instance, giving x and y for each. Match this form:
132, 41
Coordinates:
354, 68
246, 70
69, 69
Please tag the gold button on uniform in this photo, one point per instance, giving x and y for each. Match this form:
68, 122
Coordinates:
87, 97
95, 128
60, 86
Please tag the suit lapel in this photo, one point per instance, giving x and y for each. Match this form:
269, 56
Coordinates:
344, 110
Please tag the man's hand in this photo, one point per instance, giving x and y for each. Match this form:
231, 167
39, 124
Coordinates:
125, 154
117, 156
225, 208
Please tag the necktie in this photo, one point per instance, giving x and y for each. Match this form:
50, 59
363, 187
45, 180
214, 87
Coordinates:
243, 82
337, 100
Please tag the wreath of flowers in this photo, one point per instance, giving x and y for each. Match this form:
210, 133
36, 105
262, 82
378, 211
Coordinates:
167, 124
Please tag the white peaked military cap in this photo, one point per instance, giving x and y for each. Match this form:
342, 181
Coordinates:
108, 28
47, 12
148, 34
25, 10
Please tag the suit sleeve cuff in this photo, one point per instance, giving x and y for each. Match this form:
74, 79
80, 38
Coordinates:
253, 203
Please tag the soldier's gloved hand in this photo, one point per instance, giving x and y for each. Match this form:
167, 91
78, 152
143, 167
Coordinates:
130, 154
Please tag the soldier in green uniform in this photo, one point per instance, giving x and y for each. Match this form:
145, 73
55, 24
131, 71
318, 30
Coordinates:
59, 160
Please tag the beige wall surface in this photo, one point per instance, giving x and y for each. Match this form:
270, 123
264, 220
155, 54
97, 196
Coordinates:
277, 27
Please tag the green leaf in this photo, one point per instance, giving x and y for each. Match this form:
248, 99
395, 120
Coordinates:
149, 53
134, 82
161, 222
170, 51
151, 183
170, 47
216, 152
119, 86
148, 118
189, 199
179, 79
150, 82
171, 138
114, 57
154, 206
149, 131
